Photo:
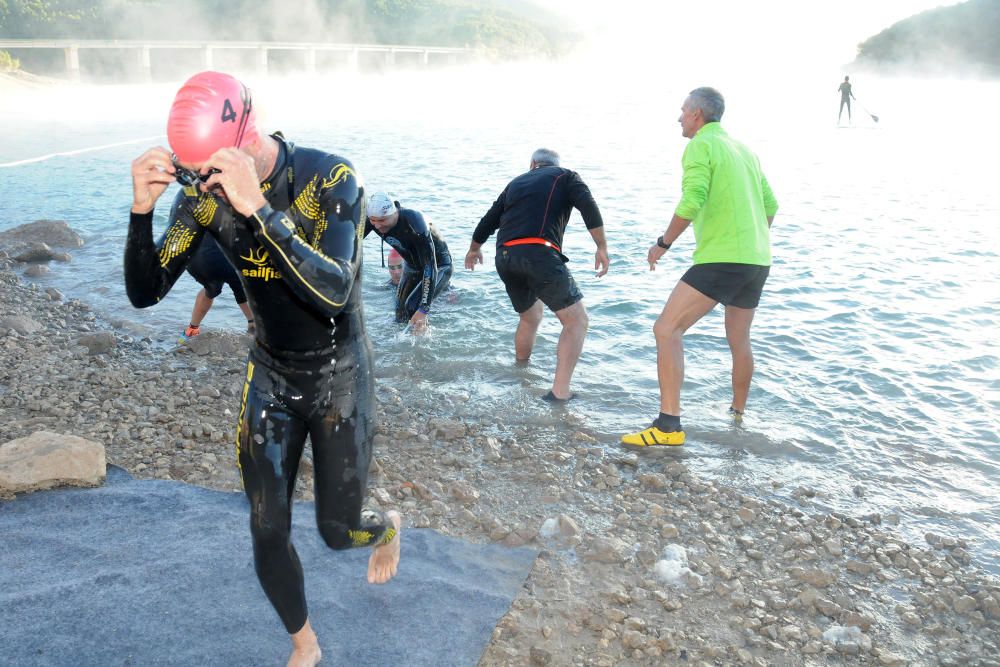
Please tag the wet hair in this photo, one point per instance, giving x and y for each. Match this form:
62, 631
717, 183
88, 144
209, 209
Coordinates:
710, 101
545, 157
846, 78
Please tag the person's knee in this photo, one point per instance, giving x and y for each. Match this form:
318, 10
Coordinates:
741, 352
664, 329
574, 317
269, 536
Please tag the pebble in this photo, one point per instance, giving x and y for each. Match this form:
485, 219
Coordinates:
965, 604
540, 656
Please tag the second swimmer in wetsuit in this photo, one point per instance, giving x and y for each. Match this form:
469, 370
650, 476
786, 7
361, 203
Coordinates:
427, 269
290, 220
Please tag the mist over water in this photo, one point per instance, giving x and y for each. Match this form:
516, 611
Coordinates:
877, 362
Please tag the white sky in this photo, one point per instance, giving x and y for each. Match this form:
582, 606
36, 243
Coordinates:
764, 32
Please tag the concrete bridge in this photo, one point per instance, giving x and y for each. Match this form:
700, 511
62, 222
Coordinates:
72, 47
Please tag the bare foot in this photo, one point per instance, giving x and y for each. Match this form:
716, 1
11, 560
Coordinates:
305, 648
385, 559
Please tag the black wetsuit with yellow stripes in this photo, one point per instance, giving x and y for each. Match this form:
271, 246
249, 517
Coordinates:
309, 371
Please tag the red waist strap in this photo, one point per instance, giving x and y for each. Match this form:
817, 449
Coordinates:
533, 240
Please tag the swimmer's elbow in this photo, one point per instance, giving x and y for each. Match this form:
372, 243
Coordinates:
329, 295
141, 299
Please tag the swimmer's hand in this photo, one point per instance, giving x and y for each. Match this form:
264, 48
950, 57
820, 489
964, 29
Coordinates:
655, 253
237, 176
152, 172
601, 261
418, 323
473, 257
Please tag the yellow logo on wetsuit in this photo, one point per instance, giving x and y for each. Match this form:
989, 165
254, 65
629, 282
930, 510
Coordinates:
360, 538
176, 242
262, 263
338, 175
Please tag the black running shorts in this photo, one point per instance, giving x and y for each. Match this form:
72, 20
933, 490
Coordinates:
532, 272
736, 285
212, 270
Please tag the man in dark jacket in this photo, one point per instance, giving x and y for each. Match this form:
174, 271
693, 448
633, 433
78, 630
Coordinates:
530, 218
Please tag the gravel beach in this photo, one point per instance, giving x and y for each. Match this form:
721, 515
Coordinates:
642, 562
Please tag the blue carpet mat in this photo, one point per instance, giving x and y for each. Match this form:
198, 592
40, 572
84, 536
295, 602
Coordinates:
161, 573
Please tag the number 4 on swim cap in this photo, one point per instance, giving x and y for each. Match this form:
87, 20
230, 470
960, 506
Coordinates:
228, 112
203, 117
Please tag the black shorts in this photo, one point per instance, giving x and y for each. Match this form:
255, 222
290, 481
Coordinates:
532, 272
212, 270
736, 285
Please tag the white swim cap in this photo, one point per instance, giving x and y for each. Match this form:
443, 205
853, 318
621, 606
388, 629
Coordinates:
380, 205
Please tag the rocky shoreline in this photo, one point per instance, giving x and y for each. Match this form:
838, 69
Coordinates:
641, 561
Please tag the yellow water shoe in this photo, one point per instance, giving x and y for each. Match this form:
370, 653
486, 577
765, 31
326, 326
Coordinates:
652, 437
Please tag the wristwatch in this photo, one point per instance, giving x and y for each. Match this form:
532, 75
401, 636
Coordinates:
659, 242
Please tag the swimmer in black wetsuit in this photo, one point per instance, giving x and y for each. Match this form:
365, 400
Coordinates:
290, 219
428, 269
212, 270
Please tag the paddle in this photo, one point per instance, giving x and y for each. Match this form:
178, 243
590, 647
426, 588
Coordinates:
874, 117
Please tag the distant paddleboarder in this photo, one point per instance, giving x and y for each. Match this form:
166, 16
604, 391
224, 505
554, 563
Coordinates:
845, 98
290, 220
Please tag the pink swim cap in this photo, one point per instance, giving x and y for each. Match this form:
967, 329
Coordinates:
394, 254
211, 111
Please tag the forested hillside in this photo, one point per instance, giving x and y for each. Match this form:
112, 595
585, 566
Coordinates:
959, 39
501, 27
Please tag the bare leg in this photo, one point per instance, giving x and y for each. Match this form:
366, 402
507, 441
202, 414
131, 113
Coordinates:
385, 559
685, 306
305, 648
202, 304
527, 328
245, 307
738, 321
575, 322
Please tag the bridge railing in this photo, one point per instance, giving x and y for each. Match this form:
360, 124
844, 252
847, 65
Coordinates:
72, 48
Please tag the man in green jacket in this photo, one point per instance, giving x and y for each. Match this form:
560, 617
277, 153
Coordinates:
730, 204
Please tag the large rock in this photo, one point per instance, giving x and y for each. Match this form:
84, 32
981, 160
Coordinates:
44, 460
19, 323
98, 343
217, 343
33, 252
609, 550
813, 576
52, 232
